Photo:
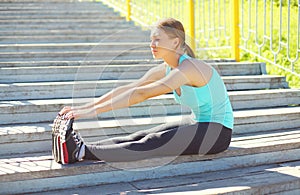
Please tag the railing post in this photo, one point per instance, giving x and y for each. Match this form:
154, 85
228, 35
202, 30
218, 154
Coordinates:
191, 18
128, 16
235, 31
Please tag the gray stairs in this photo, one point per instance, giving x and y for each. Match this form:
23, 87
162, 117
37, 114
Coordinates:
58, 52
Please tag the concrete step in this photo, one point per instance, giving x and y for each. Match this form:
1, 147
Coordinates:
240, 100
135, 71
73, 16
275, 179
73, 38
69, 73
46, 5
68, 89
66, 32
49, 57
28, 110
34, 47
42, 1
63, 25
77, 55
85, 62
62, 21
19, 174
57, 13
36, 137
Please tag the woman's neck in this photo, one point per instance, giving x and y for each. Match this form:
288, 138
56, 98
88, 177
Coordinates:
173, 59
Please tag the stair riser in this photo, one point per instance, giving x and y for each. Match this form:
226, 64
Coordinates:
64, 26
80, 63
73, 47
71, 77
91, 179
260, 102
59, 20
256, 86
41, 142
72, 39
240, 102
50, 7
81, 55
83, 58
243, 124
48, 113
54, 6
55, 13
16, 64
282, 122
98, 16
53, 22
9, 75
52, 1
76, 33
241, 69
19, 92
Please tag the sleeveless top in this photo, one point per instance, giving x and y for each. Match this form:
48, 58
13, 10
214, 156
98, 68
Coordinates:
209, 103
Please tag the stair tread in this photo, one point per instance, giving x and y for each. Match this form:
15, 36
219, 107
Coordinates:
234, 95
28, 69
276, 141
58, 45
107, 126
234, 79
243, 180
44, 38
72, 63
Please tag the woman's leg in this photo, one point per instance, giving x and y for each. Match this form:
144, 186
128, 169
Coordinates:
140, 134
211, 138
134, 137
198, 138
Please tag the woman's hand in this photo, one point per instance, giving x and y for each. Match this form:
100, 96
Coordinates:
75, 113
69, 112
65, 110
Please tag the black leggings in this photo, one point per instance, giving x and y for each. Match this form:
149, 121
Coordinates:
171, 139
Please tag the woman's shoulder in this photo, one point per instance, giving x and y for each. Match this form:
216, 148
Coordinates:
194, 63
198, 71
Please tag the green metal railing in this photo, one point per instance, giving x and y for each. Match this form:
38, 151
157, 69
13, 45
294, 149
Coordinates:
270, 31
267, 29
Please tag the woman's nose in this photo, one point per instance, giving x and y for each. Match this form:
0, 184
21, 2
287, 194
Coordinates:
152, 44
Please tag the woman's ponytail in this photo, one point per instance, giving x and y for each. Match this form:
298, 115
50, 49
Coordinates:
189, 51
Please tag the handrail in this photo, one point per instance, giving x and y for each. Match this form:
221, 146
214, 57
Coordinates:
128, 15
261, 28
192, 24
235, 31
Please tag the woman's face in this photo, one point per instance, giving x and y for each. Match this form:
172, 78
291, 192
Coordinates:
161, 44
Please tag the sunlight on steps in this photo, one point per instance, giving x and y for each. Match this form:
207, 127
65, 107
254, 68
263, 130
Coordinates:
58, 52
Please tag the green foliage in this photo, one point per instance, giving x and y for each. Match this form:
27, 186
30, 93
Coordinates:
212, 27
275, 52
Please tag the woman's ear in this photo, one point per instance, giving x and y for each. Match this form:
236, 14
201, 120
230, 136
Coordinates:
176, 42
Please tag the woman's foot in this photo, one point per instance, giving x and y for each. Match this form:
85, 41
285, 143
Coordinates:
68, 145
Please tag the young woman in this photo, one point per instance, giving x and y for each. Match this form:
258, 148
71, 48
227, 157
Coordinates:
194, 84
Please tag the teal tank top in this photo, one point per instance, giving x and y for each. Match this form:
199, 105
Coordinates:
209, 103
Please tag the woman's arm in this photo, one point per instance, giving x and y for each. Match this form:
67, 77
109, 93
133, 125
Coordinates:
174, 80
152, 75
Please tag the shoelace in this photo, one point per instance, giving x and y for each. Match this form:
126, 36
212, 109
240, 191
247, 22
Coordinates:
81, 147
77, 138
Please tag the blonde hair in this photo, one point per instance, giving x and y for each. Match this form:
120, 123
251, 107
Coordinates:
173, 28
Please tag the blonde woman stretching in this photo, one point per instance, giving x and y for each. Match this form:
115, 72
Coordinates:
194, 84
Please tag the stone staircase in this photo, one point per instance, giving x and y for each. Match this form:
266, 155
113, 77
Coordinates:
58, 52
